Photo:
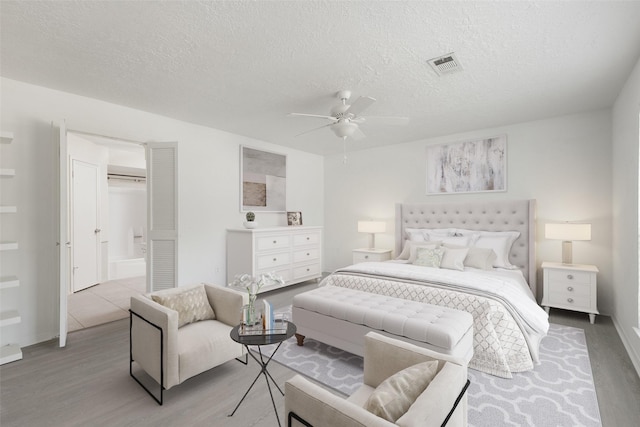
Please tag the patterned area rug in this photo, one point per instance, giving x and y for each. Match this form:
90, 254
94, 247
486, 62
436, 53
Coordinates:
559, 392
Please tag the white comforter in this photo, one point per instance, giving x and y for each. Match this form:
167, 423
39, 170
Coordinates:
508, 323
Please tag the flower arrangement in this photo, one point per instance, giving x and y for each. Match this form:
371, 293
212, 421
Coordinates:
253, 286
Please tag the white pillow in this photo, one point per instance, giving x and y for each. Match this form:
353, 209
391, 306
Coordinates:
453, 259
437, 233
481, 258
413, 247
500, 242
415, 234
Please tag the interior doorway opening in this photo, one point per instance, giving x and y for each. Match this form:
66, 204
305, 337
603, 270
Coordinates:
108, 227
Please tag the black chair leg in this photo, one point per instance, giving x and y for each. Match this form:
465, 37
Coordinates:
160, 400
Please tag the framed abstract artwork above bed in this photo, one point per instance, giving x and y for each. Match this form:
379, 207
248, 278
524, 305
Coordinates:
472, 166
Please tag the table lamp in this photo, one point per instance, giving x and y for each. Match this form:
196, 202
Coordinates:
372, 227
568, 233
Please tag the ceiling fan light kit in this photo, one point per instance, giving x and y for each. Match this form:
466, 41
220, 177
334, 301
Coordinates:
346, 118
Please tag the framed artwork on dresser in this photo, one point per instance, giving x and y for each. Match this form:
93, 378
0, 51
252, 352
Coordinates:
472, 166
263, 180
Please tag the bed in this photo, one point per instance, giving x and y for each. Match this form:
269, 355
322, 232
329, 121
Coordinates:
499, 291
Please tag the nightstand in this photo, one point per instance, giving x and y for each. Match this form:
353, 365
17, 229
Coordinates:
570, 287
366, 255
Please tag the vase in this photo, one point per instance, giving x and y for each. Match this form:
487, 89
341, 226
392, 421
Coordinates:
249, 315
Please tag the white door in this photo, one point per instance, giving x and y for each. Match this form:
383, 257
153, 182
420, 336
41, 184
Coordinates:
162, 215
85, 224
64, 243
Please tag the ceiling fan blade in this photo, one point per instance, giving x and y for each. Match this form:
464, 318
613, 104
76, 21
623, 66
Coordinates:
314, 129
360, 105
387, 120
312, 115
358, 134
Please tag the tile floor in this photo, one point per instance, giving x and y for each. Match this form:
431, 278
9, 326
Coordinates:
102, 303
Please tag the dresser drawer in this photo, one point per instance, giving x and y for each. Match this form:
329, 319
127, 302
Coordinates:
568, 276
310, 238
273, 260
570, 289
266, 243
306, 270
310, 254
562, 299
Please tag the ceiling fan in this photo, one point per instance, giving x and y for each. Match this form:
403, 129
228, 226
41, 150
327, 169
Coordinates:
345, 118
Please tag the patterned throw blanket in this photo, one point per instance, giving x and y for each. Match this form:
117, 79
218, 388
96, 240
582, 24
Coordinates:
508, 324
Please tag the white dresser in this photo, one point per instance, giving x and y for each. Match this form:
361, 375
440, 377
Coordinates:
571, 287
294, 253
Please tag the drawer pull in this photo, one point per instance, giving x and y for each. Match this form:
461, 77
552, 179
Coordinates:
570, 288
308, 254
275, 241
308, 238
275, 259
570, 300
308, 269
570, 276
366, 257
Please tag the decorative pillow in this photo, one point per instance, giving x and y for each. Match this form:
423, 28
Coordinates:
500, 242
191, 303
481, 258
429, 257
393, 397
408, 244
414, 246
453, 259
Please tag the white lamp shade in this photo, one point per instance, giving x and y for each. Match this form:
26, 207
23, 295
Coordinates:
372, 227
567, 232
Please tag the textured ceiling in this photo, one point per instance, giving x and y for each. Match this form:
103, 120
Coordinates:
241, 66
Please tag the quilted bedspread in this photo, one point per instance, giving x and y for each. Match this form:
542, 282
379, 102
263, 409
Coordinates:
508, 323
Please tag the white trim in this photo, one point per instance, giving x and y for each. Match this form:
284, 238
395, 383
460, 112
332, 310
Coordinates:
635, 357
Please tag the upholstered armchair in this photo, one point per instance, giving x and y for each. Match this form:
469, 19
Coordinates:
181, 332
442, 402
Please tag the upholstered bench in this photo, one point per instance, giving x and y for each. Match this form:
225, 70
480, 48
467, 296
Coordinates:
341, 317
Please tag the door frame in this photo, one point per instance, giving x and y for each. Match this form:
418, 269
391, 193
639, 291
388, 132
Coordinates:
63, 200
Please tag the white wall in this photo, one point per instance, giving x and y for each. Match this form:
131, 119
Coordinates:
127, 218
208, 192
626, 137
564, 163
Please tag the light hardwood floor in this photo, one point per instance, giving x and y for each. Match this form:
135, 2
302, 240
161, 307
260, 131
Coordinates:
88, 384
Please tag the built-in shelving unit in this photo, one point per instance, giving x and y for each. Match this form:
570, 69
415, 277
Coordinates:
9, 352
7, 282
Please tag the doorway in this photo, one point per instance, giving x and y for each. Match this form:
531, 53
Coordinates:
107, 213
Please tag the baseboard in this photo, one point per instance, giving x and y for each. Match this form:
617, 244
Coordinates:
635, 357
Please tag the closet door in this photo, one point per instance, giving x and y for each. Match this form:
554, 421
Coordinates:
162, 215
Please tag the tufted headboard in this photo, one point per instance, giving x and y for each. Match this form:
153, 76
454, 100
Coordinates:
501, 215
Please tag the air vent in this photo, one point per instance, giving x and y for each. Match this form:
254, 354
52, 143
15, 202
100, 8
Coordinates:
445, 64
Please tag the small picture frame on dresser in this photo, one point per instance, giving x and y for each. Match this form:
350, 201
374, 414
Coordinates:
294, 218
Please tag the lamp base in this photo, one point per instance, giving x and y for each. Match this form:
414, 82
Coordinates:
567, 252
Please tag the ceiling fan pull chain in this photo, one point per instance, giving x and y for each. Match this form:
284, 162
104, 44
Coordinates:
344, 150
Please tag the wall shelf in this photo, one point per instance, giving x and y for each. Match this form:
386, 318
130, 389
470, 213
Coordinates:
7, 282
6, 137
8, 246
10, 353
9, 317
